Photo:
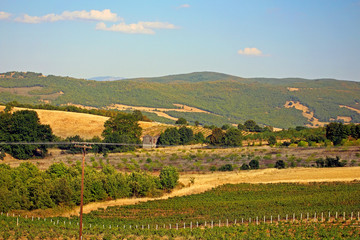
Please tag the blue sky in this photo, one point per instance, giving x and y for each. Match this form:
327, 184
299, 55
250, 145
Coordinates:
141, 38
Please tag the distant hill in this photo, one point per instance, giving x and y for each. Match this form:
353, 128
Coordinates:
207, 97
106, 78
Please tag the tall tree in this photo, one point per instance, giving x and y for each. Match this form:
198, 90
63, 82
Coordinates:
24, 126
122, 128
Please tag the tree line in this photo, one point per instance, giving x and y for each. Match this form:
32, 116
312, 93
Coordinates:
26, 187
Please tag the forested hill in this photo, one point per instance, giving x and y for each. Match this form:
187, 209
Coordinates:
224, 98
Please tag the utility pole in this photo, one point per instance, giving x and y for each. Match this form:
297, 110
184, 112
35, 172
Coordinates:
84, 147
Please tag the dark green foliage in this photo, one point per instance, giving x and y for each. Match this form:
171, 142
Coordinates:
219, 94
280, 164
272, 140
226, 167
199, 137
181, 121
233, 137
171, 136
169, 177
336, 132
244, 166
122, 128
24, 126
241, 127
186, 135
250, 125
254, 164
333, 162
216, 137
320, 162
26, 187
330, 162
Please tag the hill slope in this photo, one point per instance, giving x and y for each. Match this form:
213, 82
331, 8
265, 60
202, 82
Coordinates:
222, 98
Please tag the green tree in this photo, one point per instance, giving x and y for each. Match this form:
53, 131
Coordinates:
272, 140
169, 177
171, 136
24, 126
216, 137
181, 121
336, 132
254, 164
233, 137
186, 135
280, 164
122, 128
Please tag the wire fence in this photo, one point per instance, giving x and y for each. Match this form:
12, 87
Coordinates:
336, 217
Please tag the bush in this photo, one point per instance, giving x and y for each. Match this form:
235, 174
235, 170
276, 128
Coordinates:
254, 164
169, 177
226, 167
280, 164
244, 166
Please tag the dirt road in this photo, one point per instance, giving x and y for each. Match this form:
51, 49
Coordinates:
204, 182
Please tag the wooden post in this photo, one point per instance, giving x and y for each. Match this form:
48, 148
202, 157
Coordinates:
84, 147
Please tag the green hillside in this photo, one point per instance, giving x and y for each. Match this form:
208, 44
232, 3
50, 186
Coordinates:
228, 99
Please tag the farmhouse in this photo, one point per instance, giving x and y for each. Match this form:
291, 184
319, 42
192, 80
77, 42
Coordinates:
149, 141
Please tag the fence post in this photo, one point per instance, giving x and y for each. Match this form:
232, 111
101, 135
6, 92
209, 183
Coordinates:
344, 216
322, 216
156, 227
257, 221
17, 221
184, 225
190, 225
148, 226
286, 217
212, 224
271, 219
197, 224
205, 223
336, 215
264, 219
170, 225
301, 217
249, 220
358, 217
307, 216
278, 218
219, 223
177, 226
315, 217
329, 216
351, 216
227, 222
242, 220
235, 222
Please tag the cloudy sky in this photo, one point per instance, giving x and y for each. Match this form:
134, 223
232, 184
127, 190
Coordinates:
142, 38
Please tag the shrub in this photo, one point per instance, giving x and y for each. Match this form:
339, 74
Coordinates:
280, 164
169, 177
226, 167
244, 166
254, 164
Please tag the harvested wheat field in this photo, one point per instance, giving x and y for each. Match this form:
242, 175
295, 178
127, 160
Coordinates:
204, 182
87, 126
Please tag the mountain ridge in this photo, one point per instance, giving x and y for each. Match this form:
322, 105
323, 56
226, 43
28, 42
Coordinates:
227, 99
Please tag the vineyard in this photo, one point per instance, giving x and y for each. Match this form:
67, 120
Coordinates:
250, 211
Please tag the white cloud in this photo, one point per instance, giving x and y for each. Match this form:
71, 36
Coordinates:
184, 6
135, 28
250, 52
4, 15
94, 15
